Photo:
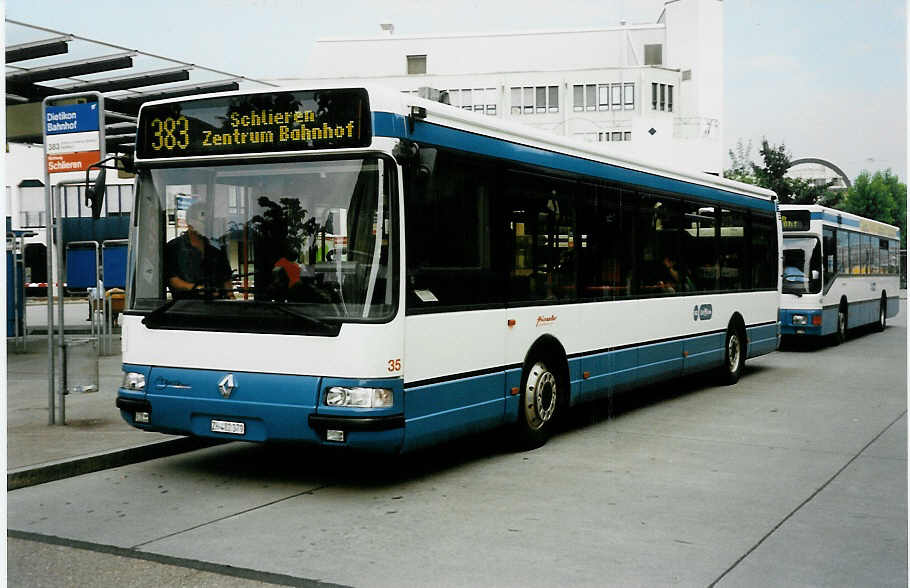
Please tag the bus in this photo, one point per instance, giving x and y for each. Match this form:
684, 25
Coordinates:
369, 269
840, 271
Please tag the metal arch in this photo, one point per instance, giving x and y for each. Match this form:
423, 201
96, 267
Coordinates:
825, 163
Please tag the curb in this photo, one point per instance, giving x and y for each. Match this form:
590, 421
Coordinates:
67, 468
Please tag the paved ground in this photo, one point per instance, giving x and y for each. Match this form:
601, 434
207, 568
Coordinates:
796, 476
93, 428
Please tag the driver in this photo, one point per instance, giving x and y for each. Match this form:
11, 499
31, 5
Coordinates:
191, 262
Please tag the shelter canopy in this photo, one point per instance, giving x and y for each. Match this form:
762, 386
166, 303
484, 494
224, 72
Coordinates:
42, 62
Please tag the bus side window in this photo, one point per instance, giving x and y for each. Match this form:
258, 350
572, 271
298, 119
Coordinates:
452, 258
829, 251
602, 239
763, 255
542, 223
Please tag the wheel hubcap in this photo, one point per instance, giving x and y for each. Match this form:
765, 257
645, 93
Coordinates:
540, 396
733, 352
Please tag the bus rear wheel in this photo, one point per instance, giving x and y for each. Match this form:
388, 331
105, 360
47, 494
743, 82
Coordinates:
840, 335
541, 402
882, 315
734, 355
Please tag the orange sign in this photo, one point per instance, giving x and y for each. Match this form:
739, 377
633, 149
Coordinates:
71, 162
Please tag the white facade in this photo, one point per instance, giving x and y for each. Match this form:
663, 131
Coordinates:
652, 92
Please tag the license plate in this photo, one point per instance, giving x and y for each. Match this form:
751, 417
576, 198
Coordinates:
230, 427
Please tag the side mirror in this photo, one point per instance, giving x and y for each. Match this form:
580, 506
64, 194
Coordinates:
427, 163
94, 194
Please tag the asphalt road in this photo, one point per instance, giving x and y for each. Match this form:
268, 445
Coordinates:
796, 476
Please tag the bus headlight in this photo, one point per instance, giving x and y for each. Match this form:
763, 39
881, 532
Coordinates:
133, 381
799, 319
359, 397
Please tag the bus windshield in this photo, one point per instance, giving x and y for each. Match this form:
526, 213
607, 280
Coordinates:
802, 265
265, 247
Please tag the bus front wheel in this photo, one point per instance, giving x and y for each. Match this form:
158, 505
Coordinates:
541, 402
734, 355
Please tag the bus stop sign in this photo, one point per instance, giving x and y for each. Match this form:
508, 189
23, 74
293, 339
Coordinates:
72, 136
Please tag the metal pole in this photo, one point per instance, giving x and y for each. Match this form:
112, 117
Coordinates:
48, 204
24, 298
11, 242
61, 336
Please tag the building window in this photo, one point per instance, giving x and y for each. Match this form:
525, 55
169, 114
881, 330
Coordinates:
661, 97
616, 93
629, 96
590, 96
482, 100
539, 99
585, 97
417, 64
604, 136
603, 97
654, 54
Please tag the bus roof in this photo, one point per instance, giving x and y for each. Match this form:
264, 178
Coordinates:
383, 99
834, 217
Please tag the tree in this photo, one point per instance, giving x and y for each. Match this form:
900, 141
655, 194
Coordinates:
741, 170
773, 175
807, 192
880, 196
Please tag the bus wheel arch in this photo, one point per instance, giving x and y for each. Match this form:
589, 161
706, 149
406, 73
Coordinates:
736, 347
544, 391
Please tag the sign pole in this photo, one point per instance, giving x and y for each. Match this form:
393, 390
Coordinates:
73, 140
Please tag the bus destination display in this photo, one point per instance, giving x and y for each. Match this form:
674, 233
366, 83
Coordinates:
255, 123
794, 220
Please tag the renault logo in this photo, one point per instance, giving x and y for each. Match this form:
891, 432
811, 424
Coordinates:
227, 385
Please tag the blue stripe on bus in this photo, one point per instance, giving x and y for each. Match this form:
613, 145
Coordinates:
762, 339
859, 313
439, 411
274, 406
832, 218
393, 125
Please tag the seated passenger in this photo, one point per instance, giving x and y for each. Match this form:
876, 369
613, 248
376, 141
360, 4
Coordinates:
192, 265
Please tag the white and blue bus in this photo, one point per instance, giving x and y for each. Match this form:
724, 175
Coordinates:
840, 271
369, 269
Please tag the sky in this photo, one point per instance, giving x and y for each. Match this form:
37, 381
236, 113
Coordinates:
827, 78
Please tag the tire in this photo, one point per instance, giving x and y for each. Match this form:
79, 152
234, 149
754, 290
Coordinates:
734, 355
882, 316
541, 402
840, 335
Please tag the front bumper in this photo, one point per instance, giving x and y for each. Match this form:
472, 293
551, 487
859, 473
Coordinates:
801, 322
266, 407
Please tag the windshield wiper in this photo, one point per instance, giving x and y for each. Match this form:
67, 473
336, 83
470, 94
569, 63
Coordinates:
288, 310
154, 318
